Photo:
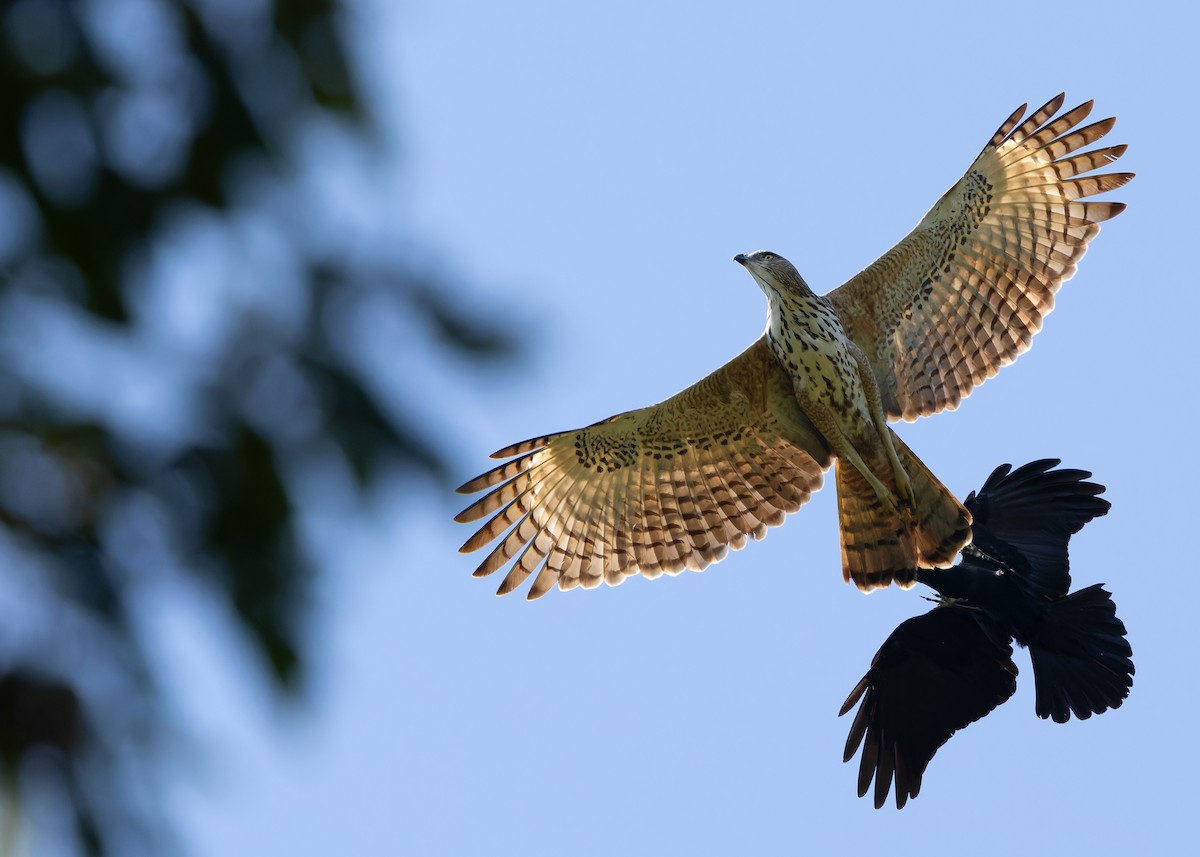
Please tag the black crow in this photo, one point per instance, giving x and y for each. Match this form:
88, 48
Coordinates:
939, 672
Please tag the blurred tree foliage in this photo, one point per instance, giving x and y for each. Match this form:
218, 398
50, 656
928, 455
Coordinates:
174, 298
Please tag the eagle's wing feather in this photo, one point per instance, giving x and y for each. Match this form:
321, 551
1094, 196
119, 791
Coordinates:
966, 290
655, 490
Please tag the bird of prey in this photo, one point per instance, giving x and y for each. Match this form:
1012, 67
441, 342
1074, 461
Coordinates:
939, 672
675, 485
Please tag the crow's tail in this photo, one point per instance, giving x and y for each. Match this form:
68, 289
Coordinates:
1081, 660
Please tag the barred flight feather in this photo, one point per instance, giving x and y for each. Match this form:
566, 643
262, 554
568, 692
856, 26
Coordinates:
653, 491
1008, 234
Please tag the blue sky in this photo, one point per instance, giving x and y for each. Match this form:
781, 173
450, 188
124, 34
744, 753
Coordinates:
588, 175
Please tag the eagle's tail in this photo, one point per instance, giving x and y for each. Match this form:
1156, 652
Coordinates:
941, 524
879, 545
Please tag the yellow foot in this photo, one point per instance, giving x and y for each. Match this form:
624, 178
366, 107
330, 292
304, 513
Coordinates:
904, 490
891, 503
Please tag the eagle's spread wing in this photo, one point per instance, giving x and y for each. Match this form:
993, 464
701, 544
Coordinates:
966, 290
663, 488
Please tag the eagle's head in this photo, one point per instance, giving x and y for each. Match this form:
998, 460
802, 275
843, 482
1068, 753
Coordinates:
773, 273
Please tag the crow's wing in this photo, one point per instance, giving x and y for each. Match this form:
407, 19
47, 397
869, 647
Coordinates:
1025, 518
935, 674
